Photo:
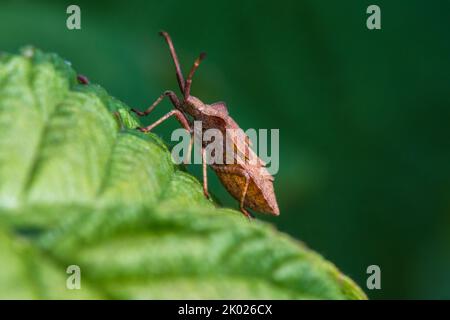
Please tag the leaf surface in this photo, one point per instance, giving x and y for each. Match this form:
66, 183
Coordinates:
80, 186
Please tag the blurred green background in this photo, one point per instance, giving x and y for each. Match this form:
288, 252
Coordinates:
364, 116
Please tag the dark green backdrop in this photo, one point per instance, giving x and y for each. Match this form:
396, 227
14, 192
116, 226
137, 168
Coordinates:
363, 115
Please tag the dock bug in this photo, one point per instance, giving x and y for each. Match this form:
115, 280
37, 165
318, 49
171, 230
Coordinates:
247, 181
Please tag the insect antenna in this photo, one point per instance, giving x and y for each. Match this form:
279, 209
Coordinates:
180, 77
191, 74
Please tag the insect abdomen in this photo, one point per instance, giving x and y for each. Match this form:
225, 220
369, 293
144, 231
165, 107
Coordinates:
260, 194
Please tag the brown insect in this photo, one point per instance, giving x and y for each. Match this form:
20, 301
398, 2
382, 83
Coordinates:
250, 183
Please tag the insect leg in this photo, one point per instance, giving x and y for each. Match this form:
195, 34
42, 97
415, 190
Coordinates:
244, 193
205, 173
189, 151
178, 114
242, 173
119, 119
173, 98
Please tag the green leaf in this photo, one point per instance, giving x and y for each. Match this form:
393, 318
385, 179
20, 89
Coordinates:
80, 186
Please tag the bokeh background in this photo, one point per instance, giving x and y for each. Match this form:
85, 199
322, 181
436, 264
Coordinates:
364, 116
